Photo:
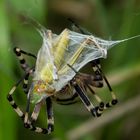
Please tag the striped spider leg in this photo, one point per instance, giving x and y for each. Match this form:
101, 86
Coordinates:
19, 53
97, 69
29, 123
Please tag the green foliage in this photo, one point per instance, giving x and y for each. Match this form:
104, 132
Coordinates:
115, 19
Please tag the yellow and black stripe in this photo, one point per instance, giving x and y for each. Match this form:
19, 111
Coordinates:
12, 102
96, 63
25, 81
22, 61
67, 101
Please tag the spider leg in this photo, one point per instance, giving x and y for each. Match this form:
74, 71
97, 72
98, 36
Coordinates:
50, 115
11, 100
97, 69
100, 107
29, 124
84, 98
23, 63
25, 81
76, 27
26, 118
36, 112
24, 66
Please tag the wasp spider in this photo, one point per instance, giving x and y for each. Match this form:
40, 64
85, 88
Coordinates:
48, 74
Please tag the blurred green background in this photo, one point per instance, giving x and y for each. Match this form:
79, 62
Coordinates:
108, 19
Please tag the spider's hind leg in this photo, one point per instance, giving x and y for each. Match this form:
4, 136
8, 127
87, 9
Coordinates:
98, 71
100, 107
24, 79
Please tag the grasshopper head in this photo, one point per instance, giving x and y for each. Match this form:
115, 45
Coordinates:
41, 90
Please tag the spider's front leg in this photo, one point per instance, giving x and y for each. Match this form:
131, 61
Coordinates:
10, 94
19, 53
11, 100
